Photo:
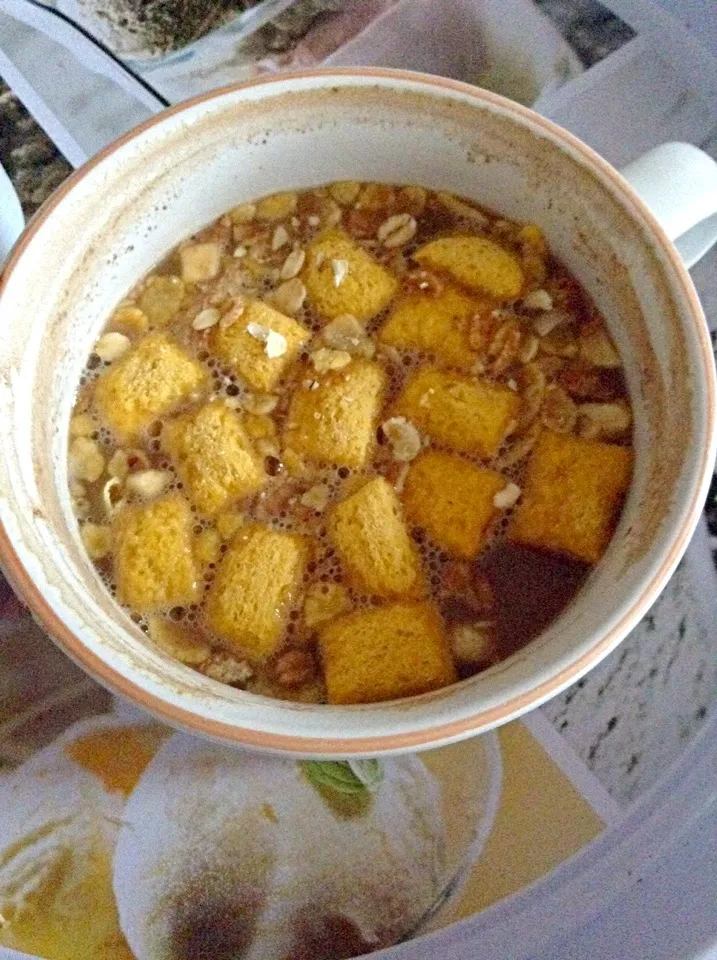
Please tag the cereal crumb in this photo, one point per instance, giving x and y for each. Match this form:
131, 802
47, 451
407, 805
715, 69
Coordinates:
274, 343
316, 497
507, 498
403, 437
341, 270
325, 359
538, 300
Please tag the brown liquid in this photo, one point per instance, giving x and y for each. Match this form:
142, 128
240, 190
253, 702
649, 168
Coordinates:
517, 590
531, 588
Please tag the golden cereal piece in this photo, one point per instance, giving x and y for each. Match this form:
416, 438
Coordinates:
333, 416
398, 650
148, 382
437, 325
247, 354
451, 500
154, 562
370, 535
277, 207
182, 644
256, 584
475, 262
572, 495
161, 299
360, 286
463, 413
213, 456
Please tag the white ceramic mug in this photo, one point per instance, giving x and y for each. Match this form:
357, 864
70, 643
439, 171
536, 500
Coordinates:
120, 214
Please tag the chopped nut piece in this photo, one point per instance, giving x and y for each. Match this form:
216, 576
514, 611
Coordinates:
529, 350
313, 220
324, 602
505, 346
532, 388
473, 643
234, 312
82, 425
559, 411
596, 348
239, 252
227, 669
341, 270
546, 322
111, 346
97, 540
603, 421
461, 209
274, 343
325, 359
118, 464
507, 498
259, 403
148, 483
397, 230
289, 297
346, 333
294, 668
345, 191
112, 498
244, 213
86, 460
405, 440
279, 238
293, 264
316, 498
277, 207
538, 300
206, 319
200, 262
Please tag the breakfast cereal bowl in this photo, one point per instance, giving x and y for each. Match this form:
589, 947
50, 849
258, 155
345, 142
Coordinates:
124, 211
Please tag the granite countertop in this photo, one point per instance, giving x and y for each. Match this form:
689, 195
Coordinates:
633, 714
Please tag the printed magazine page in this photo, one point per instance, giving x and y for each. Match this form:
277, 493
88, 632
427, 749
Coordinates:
121, 838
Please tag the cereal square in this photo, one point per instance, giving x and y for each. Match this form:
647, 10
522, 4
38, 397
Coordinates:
248, 354
333, 416
451, 500
435, 324
463, 413
398, 650
370, 535
254, 589
341, 277
154, 561
572, 496
476, 263
147, 382
213, 456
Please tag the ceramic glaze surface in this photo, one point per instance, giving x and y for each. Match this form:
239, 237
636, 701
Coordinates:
129, 207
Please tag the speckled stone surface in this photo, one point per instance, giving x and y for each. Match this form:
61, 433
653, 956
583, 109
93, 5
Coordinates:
630, 717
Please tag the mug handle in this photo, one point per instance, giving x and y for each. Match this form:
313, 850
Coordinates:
678, 182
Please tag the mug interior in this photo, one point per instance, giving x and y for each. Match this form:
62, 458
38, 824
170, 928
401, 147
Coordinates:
120, 215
